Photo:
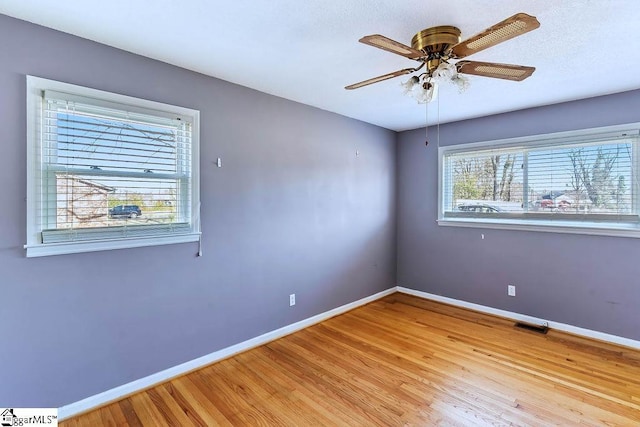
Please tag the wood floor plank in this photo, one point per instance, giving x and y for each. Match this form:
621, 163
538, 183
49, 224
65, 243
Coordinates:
402, 361
205, 408
116, 414
127, 410
145, 408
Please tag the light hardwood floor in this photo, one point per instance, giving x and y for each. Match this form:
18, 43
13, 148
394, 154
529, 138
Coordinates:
400, 361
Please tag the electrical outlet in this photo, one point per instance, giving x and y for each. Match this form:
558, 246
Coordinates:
292, 300
511, 290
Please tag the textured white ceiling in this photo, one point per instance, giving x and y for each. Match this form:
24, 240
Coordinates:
307, 51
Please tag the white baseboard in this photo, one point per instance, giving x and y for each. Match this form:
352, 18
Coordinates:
119, 392
601, 336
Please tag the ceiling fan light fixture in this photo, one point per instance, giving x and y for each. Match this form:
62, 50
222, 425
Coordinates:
427, 92
422, 91
461, 82
445, 71
410, 84
424, 88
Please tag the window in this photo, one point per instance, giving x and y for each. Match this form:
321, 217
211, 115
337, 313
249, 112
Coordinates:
107, 171
584, 182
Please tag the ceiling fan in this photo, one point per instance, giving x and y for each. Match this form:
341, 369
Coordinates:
436, 46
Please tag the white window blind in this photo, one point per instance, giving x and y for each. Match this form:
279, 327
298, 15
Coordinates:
105, 171
584, 180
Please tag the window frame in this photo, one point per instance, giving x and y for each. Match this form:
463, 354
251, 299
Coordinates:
543, 222
35, 247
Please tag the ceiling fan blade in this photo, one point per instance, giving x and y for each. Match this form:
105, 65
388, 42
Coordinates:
380, 78
514, 26
385, 43
497, 71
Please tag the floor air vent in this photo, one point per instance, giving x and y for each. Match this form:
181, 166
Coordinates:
542, 329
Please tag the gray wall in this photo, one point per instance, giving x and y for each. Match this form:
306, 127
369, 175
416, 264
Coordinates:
291, 210
587, 281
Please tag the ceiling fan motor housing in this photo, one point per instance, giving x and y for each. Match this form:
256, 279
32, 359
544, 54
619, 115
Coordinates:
436, 39
436, 42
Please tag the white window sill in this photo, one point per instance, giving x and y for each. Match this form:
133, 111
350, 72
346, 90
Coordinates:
38, 250
557, 226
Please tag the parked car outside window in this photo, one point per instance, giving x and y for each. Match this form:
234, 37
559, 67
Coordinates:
125, 211
479, 208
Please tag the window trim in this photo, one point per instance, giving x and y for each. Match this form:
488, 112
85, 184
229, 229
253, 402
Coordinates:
34, 246
556, 225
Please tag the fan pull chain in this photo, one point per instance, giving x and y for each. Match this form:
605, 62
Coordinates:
426, 123
438, 137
